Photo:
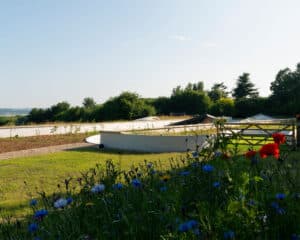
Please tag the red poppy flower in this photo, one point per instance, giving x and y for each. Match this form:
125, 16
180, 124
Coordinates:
278, 138
250, 154
270, 149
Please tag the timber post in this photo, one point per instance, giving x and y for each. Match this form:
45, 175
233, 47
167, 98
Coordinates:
298, 130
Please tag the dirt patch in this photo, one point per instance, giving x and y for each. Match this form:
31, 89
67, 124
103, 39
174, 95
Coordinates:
24, 143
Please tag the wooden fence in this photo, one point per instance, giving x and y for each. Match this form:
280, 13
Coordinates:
259, 132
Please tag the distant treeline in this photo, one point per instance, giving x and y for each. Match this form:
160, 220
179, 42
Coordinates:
242, 101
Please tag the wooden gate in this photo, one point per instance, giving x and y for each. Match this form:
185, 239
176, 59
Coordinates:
259, 132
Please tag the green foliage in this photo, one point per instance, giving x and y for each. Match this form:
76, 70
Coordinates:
190, 100
244, 88
250, 106
223, 107
126, 106
88, 102
216, 196
285, 89
162, 105
218, 91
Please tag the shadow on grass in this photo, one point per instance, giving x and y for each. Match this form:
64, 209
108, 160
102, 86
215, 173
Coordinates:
95, 149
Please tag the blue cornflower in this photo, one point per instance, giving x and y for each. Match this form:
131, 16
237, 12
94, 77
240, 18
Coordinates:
163, 188
229, 234
152, 171
60, 203
33, 227
216, 184
188, 225
183, 227
118, 186
98, 188
69, 200
192, 224
40, 214
150, 165
251, 202
195, 164
185, 173
33, 202
195, 154
280, 211
136, 183
295, 237
274, 205
207, 168
218, 153
280, 196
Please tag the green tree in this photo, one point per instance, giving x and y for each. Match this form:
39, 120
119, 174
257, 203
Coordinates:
218, 91
246, 107
223, 107
88, 102
244, 88
126, 106
285, 92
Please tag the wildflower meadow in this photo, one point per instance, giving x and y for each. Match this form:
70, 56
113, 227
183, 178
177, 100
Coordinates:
215, 193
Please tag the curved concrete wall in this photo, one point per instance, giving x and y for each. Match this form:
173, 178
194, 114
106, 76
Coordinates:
26, 131
146, 143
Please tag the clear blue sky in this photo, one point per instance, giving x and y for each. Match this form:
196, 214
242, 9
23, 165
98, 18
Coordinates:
54, 50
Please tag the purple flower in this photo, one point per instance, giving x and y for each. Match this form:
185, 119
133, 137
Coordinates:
229, 234
280, 196
33, 227
40, 214
207, 168
33, 202
136, 183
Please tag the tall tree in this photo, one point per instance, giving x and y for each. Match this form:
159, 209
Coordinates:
244, 88
285, 92
218, 91
88, 102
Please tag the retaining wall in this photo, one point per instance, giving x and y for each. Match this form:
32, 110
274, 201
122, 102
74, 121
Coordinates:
146, 143
26, 131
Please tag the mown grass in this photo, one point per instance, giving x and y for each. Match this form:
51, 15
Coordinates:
22, 178
209, 196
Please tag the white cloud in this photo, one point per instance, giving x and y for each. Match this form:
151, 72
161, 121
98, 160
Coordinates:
180, 37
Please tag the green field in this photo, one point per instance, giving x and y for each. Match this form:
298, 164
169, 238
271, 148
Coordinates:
45, 172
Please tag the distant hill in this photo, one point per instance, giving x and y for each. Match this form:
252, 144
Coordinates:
14, 111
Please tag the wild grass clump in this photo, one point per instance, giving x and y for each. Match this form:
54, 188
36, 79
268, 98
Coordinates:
212, 194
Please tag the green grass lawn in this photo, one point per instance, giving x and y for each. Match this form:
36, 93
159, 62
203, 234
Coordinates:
45, 172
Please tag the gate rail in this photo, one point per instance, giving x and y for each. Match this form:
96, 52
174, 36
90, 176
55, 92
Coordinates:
259, 132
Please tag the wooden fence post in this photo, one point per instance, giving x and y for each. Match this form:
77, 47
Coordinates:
298, 130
